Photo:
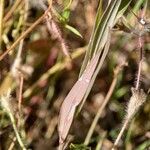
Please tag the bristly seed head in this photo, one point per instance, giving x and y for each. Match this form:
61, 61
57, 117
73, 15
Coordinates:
5, 102
137, 99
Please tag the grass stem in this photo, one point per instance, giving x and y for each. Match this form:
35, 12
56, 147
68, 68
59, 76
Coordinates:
24, 34
1, 21
101, 108
121, 133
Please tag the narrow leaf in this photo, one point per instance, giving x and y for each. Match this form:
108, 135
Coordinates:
72, 29
99, 65
73, 99
94, 58
100, 32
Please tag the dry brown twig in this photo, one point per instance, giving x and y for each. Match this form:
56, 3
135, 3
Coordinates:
12, 9
12, 144
52, 28
24, 34
20, 92
2, 3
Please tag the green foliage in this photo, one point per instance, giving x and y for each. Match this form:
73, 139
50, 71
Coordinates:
73, 30
64, 20
51, 79
65, 15
67, 4
79, 147
121, 92
99, 42
104, 23
145, 145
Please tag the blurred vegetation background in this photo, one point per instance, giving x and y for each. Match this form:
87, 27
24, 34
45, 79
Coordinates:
48, 75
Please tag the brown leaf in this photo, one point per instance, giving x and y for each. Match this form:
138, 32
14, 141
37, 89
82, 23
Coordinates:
73, 99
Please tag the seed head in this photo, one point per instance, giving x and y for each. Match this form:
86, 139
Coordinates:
137, 99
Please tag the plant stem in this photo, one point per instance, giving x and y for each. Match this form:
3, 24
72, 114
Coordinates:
20, 93
1, 21
129, 133
16, 131
100, 142
140, 65
12, 9
101, 108
121, 133
12, 144
24, 34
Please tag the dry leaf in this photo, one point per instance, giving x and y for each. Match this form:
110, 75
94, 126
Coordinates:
73, 99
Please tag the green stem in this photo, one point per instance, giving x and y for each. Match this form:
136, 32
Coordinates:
16, 132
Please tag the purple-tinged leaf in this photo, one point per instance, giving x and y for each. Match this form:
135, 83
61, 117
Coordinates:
73, 99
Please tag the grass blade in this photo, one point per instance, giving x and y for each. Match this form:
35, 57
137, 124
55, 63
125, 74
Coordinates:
73, 99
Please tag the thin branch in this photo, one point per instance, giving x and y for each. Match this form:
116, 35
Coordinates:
140, 64
120, 133
24, 34
17, 62
5, 102
20, 92
12, 144
1, 21
101, 140
12, 9
17, 132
